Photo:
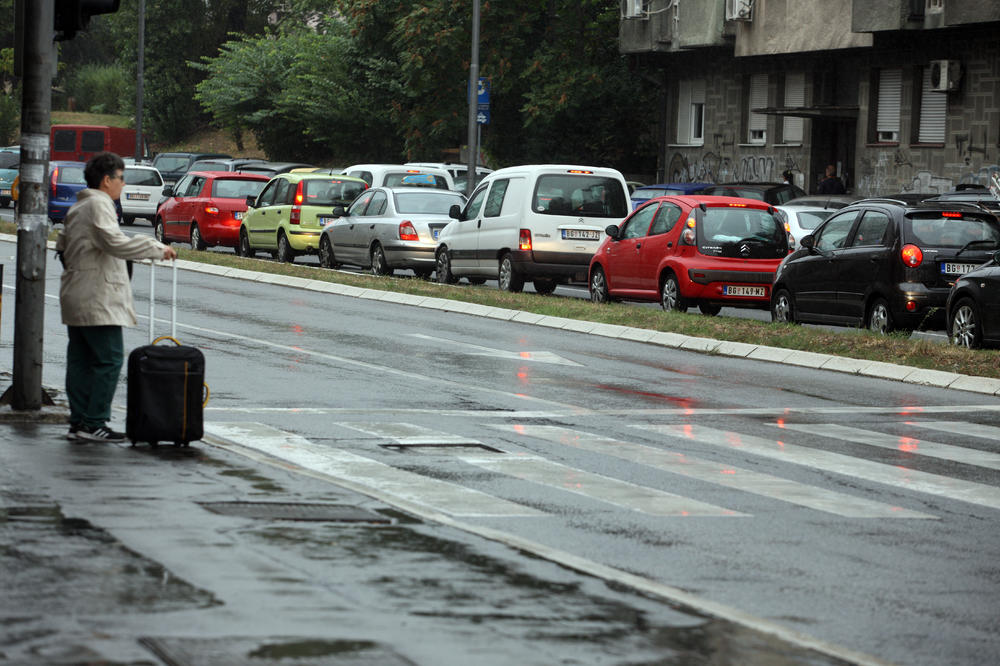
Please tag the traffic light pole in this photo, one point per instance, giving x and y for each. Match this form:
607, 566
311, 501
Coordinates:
32, 215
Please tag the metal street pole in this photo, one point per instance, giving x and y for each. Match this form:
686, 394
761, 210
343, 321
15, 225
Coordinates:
139, 82
32, 215
473, 101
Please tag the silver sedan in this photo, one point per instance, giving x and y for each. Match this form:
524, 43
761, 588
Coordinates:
388, 229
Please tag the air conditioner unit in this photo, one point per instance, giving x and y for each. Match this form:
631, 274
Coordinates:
739, 10
945, 75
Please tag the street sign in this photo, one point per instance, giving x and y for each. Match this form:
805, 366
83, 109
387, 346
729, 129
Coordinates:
483, 92
483, 116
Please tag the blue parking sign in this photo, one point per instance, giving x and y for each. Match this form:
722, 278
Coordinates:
483, 116
483, 92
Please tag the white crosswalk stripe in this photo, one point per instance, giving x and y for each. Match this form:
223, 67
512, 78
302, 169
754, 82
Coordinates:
961, 428
717, 473
905, 444
547, 473
890, 475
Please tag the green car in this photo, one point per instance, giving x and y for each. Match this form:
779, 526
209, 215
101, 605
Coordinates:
288, 216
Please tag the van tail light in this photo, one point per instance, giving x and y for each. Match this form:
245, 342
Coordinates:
911, 255
295, 216
211, 210
52, 183
407, 232
688, 235
524, 242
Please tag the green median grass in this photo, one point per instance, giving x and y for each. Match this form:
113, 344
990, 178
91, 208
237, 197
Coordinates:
853, 343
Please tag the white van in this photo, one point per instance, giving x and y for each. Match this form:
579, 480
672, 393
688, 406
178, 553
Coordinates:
539, 223
392, 175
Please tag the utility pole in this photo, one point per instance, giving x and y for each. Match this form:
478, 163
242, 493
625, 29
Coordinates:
139, 152
37, 63
473, 138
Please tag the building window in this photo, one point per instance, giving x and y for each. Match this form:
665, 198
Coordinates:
691, 112
633, 9
890, 93
934, 6
757, 122
795, 96
933, 112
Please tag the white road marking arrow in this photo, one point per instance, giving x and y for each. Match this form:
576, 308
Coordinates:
477, 350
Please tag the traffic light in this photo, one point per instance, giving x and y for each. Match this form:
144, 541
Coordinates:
73, 15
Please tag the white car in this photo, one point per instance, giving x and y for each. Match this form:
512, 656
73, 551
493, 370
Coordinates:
802, 221
141, 194
458, 171
392, 175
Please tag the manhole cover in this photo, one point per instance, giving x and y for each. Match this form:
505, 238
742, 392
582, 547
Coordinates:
297, 511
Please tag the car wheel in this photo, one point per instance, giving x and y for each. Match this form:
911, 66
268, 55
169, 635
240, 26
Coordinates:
327, 259
782, 309
285, 253
244, 249
128, 220
544, 286
599, 286
158, 231
379, 264
710, 309
670, 294
197, 242
964, 325
510, 279
879, 317
443, 262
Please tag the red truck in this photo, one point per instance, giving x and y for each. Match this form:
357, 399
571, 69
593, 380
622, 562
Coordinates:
81, 142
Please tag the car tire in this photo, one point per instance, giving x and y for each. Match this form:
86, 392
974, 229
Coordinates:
243, 248
509, 279
158, 231
599, 286
380, 266
709, 309
544, 286
879, 319
327, 258
782, 307
443, 270
285, 254
197, 242
128, 220
965, 329
670, 294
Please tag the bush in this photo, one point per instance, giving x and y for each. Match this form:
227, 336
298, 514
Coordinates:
10, 110
100, 89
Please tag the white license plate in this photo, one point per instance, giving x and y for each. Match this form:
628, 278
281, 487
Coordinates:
136, 196
238, 215
581, 234
4, 193
957, 269
325, 220
435, 233
736, 290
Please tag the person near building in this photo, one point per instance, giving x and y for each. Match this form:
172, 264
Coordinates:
831, 184
95, 296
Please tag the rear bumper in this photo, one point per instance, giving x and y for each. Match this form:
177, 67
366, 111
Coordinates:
565, 266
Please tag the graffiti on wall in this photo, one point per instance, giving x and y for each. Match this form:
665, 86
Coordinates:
714, 167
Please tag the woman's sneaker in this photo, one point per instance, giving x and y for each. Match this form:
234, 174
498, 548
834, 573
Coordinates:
99, 434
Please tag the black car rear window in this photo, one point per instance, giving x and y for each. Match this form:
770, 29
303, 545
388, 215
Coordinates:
330, 192
722, 230
951, 230
168, 163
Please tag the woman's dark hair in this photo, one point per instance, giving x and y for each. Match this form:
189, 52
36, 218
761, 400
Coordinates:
99, 166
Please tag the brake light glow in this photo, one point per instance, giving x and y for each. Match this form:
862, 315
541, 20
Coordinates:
951, 214
299, 198
911, 255
55, 179
911, 306
688, 235
736, 205
211, 210
407, 232
524, 242
295, 215
579, 171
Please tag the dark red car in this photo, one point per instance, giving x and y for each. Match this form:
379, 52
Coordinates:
692, 250
204, 208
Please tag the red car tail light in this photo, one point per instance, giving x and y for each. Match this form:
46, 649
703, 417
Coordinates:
211, 210
688, 235
911, 255
407, 232
524, 242
295, 216
55, 179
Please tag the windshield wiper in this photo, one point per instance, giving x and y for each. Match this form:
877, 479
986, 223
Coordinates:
975, 242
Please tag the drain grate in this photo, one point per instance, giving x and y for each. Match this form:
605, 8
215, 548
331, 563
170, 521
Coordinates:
442, 447
339, 513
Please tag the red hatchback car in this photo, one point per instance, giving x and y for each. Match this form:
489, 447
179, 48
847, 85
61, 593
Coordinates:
691, 250
204, 208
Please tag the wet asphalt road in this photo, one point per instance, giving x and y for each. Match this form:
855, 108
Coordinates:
607, 455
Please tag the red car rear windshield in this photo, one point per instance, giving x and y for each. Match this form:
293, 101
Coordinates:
235, 188
723, 229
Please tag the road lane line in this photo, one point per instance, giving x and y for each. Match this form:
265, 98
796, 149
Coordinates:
961, 428
890, 475
366, 475
538, 470
911, 445
746, 480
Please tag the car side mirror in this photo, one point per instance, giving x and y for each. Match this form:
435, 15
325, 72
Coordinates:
612, 231
807, 242
339, 211
168, 192
455, 212
251, 201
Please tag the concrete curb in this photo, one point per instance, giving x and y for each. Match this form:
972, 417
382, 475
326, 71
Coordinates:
878, 369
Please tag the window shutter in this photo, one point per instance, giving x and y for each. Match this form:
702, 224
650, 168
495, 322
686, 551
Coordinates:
758, 100
795, 95
684, 112
933, 112
890, 93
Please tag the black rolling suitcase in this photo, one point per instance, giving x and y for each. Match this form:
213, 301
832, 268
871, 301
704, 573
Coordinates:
166, 385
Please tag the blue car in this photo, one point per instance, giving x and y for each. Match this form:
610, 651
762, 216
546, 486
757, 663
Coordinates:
65, 180
643, 194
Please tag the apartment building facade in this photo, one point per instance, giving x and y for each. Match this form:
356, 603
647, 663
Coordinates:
900, 95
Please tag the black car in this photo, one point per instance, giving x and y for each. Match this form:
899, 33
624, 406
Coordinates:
974, 307
772, 193
884, 264
172, 166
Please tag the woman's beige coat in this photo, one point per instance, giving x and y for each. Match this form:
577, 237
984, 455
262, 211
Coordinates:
94, 289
